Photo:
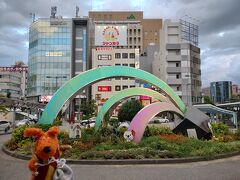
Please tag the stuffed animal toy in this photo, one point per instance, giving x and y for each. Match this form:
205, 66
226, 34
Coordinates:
45, 157
129, 135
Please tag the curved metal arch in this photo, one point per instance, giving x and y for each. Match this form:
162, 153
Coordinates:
70, 88
142, 118
125, 94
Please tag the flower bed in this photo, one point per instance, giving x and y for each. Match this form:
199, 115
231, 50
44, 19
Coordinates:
109, 144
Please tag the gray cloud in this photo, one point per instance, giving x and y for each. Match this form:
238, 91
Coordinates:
218, 20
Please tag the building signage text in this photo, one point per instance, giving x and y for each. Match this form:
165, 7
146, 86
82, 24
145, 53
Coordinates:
104, 88
13, 69
110, 35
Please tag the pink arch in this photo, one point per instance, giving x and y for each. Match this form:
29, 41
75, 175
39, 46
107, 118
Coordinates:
143, 117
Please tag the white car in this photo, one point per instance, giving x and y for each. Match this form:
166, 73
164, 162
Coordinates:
87, 123
5, 126
160, 120
25, 122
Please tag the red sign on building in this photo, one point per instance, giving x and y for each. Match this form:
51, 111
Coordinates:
104, 88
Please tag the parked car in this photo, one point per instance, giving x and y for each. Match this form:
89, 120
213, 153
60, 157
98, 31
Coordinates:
25, 122
162, 120
5, 126
159, 120
87, 123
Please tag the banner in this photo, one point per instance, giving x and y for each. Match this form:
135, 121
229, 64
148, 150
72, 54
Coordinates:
109, 35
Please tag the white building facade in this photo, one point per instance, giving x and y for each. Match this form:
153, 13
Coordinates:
109, 56
13, 81
178, 63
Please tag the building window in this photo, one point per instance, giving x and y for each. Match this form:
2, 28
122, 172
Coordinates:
132, 65
105, 17
117, 64
124, 55
124, 87
125, 64
132, 86
177, 76
117, 88
117, 55
104, 57
177, 64
178, 88
118, 78
132, 55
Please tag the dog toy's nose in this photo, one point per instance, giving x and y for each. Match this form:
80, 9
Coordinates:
47, 149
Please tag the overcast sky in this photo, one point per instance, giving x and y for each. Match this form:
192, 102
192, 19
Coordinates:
219, 22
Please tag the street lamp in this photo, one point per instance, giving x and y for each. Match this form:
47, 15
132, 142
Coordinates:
56, 78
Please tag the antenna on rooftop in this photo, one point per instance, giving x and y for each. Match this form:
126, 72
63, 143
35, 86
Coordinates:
53, 11
33, 16
77, 11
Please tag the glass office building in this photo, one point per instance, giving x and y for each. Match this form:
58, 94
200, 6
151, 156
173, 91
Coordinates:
221, 91
50, 45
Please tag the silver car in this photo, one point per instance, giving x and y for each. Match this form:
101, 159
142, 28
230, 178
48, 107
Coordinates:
25, 122
5, 125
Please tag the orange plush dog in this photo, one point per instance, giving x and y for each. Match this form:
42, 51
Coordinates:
43, 163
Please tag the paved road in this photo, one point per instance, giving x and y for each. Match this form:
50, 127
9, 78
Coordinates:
224, 169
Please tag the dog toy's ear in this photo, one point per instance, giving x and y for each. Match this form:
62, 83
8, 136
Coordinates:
30, 132
133, 133
53, 131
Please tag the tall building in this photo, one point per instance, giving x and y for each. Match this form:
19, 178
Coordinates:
50, 45
146, 60
235, 91
141, 32
109, 56
60, 48
221, 91
178, 62
13, 81
111, 47
206, 91
81, 54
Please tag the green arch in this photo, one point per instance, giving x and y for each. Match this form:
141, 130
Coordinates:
125, 94
74, 85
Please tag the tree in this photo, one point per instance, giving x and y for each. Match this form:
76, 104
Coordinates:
207, 100
106, 120
88, 108
129, 110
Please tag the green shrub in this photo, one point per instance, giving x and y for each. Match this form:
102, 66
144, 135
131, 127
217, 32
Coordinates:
114, 122
26, 146
17, 133
57, 122
220, 129
155, 131
86, 117
104, 134
88, 134
121, 131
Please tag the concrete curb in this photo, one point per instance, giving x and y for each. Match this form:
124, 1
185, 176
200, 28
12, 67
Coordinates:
2, 133
130, 161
